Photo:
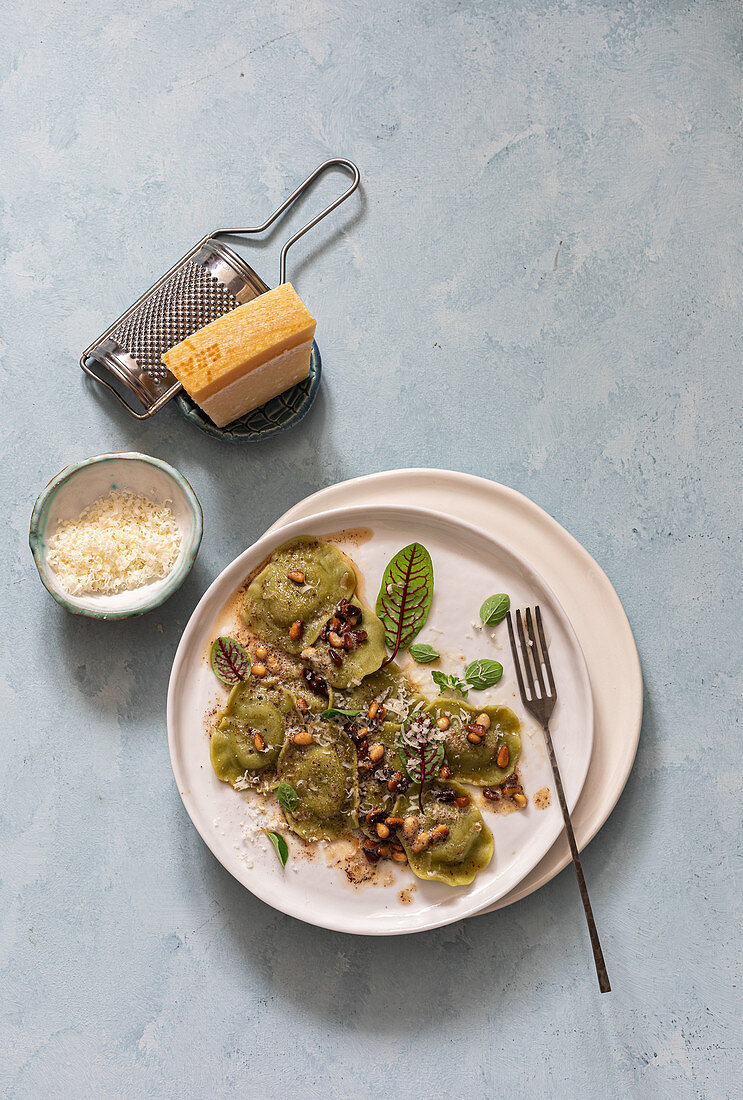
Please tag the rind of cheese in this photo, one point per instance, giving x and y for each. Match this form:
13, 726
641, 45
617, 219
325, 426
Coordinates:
240, 342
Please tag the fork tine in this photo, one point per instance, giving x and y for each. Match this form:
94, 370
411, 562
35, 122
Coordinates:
545, 652
525, 650
535, 651
516, 661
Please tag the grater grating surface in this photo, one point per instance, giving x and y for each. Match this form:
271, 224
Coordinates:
190, 299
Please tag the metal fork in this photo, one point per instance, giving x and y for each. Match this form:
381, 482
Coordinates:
540, 702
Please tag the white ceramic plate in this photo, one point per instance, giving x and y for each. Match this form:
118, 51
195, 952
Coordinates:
585, 592
469, 565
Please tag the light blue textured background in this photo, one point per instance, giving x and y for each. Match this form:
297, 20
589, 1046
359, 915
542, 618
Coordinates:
540, 283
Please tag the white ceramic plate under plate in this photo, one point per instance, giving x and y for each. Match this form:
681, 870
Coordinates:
469, 565
585, 592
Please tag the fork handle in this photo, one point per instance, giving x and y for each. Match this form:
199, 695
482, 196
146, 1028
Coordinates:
598, 955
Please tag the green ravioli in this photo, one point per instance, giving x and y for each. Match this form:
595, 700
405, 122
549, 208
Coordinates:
477, 763
357, 663
467, 848
252, 708
273, 602
324, 776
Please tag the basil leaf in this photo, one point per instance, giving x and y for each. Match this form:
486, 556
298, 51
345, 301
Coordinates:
282, 848
405, 596
286, 796
423, 654
337, 712
230, 661
450, 683
493, 611
483, 673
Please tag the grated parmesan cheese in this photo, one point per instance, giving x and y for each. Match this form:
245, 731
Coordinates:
120, 542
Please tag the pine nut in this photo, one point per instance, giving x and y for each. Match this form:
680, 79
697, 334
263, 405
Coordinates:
399, 857
258, 670
259, 743
296, 630
410, 827
474, 738
302, 737
335, 640
445, 771
421, 842
376, 752
439, 834
504, 756
383, 830
297, 576
308, 654
302, 705
483, 720
372, 712
384, 850
393, 821
462, 801
520, 799
443, 722
261, 653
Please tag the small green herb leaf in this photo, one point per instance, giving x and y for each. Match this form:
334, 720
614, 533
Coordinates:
286, 796
423, 654
230, 661
493, 611
450, 683
483, 673
337, 712
405, 596
282, 848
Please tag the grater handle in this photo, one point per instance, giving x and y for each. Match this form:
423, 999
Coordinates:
335, 162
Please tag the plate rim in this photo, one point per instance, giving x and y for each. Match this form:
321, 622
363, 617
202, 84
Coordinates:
476, 482
273, 537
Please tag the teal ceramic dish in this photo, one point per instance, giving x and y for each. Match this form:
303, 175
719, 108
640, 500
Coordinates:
278, 414
76, 487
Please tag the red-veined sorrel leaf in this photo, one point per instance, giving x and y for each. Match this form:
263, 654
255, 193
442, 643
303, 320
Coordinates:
405, 596
421, 748
230, 661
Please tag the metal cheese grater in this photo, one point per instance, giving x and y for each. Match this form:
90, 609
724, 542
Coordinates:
209, 281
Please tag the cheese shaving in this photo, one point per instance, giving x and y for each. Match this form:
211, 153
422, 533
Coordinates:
120, 542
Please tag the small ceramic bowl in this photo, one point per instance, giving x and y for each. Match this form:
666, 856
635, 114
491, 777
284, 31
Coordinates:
76, 487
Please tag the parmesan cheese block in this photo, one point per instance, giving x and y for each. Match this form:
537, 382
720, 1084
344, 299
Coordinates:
246, 357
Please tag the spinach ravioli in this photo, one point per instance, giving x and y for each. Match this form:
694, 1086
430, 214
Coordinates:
303, 582
250, 731
478, 763
350, 666
324, 776
446, 841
